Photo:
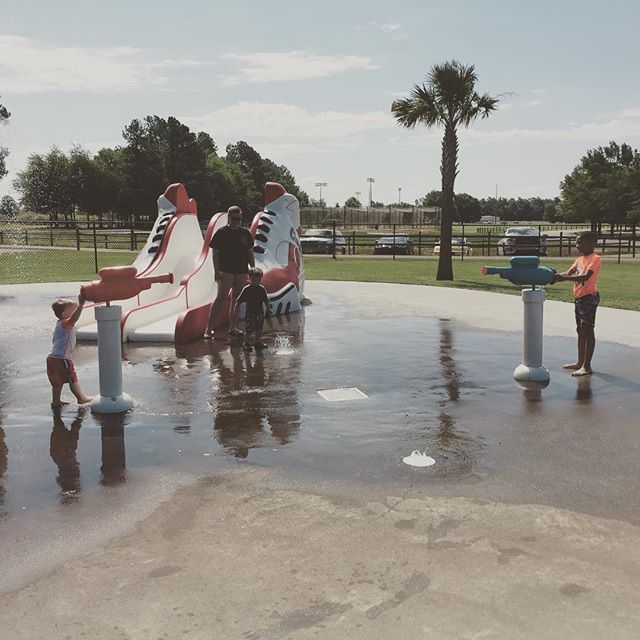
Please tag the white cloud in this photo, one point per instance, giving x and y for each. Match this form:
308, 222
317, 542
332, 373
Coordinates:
624, 127
394, 30
290, 66
29, 66
532, 103
288, 127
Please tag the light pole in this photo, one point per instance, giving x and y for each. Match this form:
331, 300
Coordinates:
399, 197
321, 184
371, 181
358, 194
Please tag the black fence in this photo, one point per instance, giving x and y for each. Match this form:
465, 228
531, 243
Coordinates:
45, 252
474, 241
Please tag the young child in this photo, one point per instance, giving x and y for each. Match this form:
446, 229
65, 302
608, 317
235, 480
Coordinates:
584, 275
255, 296
60, 367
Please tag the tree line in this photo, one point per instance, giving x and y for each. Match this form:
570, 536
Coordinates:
604, 188
467, 208
127, 180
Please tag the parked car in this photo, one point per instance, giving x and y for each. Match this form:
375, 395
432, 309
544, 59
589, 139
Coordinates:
400, 244
321, 241
522, 241
458, 245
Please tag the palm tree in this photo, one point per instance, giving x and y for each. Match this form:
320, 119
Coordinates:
449, 99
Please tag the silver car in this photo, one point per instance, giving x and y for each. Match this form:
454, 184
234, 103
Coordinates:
524, 241
321, 241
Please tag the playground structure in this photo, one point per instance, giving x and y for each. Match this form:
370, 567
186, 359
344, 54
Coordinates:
526, 270
276, 232
178, 310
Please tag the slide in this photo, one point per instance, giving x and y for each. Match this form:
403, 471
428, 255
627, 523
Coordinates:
276, 232
175, 245
178, 312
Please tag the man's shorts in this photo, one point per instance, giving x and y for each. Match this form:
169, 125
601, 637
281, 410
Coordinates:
61, 371
253, 322
234, 280
585, 308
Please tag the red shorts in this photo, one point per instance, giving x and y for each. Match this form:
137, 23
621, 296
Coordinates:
61, 371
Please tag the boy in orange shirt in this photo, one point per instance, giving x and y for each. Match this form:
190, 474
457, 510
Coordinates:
584, 275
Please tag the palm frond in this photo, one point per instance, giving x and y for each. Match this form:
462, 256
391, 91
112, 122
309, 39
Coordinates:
420, 107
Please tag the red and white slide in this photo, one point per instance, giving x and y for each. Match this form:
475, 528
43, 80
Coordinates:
175, 245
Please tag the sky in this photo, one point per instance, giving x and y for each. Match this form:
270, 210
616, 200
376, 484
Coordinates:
310, 84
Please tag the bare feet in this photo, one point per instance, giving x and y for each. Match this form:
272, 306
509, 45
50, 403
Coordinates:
62, 403
574, 365
85, 399
583, 371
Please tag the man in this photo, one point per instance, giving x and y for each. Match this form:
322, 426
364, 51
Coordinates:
232, 256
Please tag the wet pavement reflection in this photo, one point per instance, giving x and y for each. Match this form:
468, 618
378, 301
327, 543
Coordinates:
432, 385
63, 445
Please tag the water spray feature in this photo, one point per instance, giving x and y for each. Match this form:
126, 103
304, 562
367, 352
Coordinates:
526, 270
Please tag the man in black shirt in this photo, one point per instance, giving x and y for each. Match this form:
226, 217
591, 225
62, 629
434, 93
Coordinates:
232, 256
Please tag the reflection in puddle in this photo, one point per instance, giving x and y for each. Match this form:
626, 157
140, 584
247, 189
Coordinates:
458, 448
4, 457
114, 464
256, 394
583, 389
63, 445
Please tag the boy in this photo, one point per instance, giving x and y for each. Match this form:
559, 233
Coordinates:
60, 367
254, 295
584, 275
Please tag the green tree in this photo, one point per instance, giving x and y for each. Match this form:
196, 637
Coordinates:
352, 202
47, 185
94, 184
432, 199
8, 207
273, 172
603, 187
159, 152
4, 152
550, 212
448, 99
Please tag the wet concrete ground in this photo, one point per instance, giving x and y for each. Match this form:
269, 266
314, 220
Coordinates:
69, 482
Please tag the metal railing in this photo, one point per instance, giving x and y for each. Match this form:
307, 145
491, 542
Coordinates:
50, 252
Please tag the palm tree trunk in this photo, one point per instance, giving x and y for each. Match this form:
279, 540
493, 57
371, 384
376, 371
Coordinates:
448, 170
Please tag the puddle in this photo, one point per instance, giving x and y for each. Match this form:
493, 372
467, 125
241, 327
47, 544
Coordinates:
431, 386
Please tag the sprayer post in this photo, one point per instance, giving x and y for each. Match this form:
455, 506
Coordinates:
111, 398
532, 372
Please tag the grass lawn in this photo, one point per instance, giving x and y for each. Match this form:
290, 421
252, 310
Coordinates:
618, 283
17, 267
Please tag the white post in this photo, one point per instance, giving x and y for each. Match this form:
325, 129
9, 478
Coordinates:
111, 398
532, 373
